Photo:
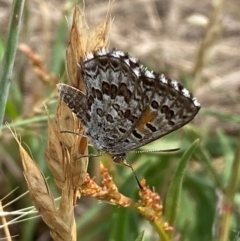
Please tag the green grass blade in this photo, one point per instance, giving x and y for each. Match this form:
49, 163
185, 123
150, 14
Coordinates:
9, 56
140, 237
25, 122
173, 195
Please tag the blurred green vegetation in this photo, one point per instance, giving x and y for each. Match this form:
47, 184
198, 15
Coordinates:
210, 182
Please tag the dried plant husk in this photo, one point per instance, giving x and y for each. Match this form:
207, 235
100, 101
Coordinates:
66, 141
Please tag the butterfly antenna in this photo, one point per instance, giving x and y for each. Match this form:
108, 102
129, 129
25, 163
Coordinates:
124, 162
155, 151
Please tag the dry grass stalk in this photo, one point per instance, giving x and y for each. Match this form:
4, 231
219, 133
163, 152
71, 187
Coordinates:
38, 66
69, 146
4, 222
64, 148
205, 51
43, 198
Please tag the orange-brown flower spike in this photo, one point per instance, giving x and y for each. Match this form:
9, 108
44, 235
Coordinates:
108, 192
150, 207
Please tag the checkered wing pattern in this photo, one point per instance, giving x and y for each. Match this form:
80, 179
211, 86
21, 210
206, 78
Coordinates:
126, 105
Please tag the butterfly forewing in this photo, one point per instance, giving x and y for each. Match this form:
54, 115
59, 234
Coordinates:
126, 105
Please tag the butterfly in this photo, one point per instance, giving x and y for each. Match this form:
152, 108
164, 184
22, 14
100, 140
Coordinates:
126, 105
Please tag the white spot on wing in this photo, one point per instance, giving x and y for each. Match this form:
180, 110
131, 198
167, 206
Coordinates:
195, 102
186, 93
134, 60
117, 54
127, 62
136, 71
88, 56
149, 74
163, 79
175, 84
102, 51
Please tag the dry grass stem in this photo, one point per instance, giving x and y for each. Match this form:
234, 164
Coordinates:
64, 149
5, 227
69, 146
213, 32
38, 66
43, 199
